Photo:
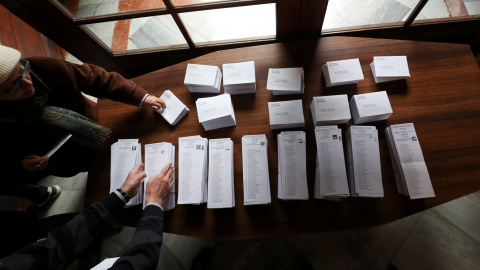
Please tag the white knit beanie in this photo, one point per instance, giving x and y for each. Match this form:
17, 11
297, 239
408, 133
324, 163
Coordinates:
9, 58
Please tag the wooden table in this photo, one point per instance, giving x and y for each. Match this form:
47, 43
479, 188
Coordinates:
442, 99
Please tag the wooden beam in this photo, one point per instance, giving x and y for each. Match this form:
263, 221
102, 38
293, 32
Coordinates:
415, 12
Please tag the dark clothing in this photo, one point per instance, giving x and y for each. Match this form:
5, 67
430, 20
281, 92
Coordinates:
63, 82
63, 245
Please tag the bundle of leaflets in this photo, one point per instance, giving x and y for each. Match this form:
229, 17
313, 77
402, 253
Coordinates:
286, 81
292, 166
239, 78
125, 154
389, 68
216, 112
175, 109
330, 110
331, 181
221, 188
342, 72
370, 107
192, 170
411, 173
286, 114
256, 181
203, 78
157, 155
364, 170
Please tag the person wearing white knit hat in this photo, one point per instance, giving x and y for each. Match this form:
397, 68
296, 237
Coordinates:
40, 101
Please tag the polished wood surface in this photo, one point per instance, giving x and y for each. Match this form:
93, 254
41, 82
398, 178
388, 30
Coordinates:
442, 99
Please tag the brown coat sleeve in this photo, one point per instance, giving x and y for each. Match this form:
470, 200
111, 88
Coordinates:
87, 78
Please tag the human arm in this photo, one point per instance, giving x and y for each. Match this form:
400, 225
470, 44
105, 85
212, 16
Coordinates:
63, 245
143, 250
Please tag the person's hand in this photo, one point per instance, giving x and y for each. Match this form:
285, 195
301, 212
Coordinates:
159, 186
33, 163
154, 103
134, 180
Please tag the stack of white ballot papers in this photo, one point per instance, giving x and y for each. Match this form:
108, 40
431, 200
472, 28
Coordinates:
203, 78
157, 155
256, 181
175, 109
221, 188
364, 170
192, 170
370, 107
389, 68
285, 81
342, 72
331, 181
126, 154
410, 170
216, 112
239, 78
286, 114
330, 110
292, 166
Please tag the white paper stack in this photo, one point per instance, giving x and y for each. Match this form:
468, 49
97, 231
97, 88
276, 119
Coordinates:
203, 78
342, 72
221, 188
331, 181
192, 170
125, 155
175, 109
157, 155
364, 170
389, 68
216, 112
370, 107
330, 110
411, 173
286, 114
256, 181
239, 78
286, 81
292, 166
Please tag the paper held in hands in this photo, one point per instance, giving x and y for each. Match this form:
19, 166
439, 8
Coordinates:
57, 146
175, 110
389, 68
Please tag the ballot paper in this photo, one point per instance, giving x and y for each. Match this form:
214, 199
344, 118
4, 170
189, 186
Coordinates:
57, 146
370, 107
286, 81
157, 155
389, 68
216, 112
410, 170
221, 188
192, 170
203, 78
105, 264
286, 114
125, 154
364, 170
292, 168
342, 72
256, 181
330, 110
239, 78
175, 109
331, 180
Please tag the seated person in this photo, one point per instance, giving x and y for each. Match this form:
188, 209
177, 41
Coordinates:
40, 101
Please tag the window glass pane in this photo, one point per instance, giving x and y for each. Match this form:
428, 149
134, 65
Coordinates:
473, 6
438, 9
230, 23
88, 8
347, 13
194, 2
140, 33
